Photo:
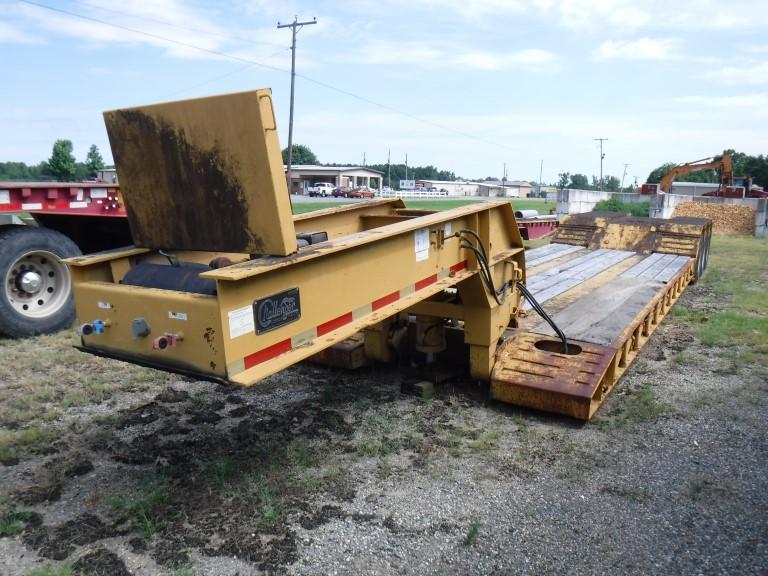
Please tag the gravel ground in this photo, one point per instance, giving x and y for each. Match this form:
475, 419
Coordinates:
326, 472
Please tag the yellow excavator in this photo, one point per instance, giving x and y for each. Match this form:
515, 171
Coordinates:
723, 163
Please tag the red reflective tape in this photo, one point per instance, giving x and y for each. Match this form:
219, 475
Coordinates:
267, 353
384, 300
459, 267
331, 325
426, 282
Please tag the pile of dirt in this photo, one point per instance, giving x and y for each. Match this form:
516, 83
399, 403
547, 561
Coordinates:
726, 218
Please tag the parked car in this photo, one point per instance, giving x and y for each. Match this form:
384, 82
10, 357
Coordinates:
342, 191
321, 189
362, 192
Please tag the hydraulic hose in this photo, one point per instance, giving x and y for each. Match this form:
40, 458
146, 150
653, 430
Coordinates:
541, 312
485, 274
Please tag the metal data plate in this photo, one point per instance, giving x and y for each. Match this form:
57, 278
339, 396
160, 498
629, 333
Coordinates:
204, 174
277, 310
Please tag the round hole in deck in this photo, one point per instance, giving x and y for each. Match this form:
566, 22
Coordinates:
557, 347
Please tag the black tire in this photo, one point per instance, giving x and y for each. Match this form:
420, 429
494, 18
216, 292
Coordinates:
36, 253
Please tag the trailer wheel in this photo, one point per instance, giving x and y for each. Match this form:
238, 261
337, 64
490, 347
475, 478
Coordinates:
36, 295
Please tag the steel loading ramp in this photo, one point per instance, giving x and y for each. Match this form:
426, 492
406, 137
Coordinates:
608, 302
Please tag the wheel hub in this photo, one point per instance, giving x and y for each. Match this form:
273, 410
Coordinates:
37, 284
30, 282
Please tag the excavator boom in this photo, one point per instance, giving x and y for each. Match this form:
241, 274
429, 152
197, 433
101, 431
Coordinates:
724, 164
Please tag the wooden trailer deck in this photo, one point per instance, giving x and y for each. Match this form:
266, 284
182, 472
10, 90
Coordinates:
607, 302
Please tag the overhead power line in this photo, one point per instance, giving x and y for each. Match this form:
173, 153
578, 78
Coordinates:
155, 36
276, 69
146, 18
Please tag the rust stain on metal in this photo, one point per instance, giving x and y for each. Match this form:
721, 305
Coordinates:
159, 157
210, 337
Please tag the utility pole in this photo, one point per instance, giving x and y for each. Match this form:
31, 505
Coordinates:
601, 140
363, 158
623, 175
389, 176
541, 170
406, 165
295, 26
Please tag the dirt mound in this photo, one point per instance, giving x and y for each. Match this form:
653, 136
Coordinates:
726, 218
58, 542
101, 562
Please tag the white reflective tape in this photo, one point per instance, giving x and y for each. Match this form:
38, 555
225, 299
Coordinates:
78, 204
33, 206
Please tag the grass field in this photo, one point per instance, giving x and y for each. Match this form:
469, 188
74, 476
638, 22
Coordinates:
523, 204
737, 274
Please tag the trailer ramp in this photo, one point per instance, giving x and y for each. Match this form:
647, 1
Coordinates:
608, 302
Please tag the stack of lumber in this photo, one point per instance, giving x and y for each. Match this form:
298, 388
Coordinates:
726, 218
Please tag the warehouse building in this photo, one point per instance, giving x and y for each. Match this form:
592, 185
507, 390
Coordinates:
487, 188
304, 176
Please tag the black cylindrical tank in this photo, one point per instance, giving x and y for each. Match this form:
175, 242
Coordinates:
184, 278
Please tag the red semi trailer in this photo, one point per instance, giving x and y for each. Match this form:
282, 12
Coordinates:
41, 224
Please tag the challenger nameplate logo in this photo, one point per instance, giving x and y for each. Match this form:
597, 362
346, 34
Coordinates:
277, 310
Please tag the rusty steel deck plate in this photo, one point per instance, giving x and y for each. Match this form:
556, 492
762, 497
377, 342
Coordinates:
204, 174
577, 384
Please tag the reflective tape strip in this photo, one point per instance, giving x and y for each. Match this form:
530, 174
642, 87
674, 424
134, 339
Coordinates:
303, 338
307, 336
384, 300
331, 325
267, 353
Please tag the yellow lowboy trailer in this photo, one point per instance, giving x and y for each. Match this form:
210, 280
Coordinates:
224, 283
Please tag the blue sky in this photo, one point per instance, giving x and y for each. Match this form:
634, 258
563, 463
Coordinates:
465, 85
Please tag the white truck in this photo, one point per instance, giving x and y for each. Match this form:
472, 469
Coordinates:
323, 189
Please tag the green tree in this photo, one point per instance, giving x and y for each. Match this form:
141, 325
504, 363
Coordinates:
62, 164
579, 182
93, 160
611, 183
564, 179
301, 155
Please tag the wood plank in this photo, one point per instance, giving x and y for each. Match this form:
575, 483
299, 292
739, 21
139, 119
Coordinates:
642, 266
673, 268
561, 267
583, 267
601, 315
657, 266
537, 256
557, 281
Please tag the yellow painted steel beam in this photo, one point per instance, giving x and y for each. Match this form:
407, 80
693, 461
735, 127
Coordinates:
327, 292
